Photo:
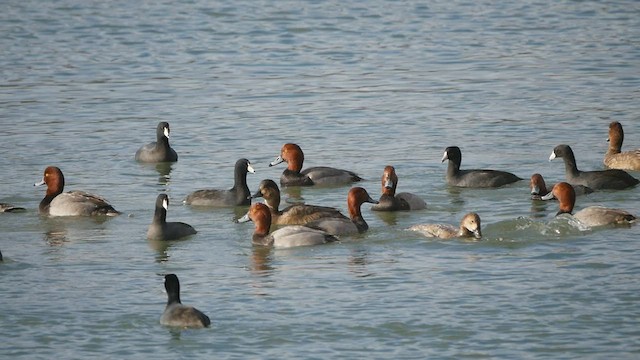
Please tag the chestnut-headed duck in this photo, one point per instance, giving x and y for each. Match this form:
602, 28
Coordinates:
4, 207
590, 216
238, 195
160, 229
473, 178
297, 214
284, 237
175, 313
356, 223
539, 187
319, 175
390, 201
70, 203
614, 179
159, 150
615, 158
469, 226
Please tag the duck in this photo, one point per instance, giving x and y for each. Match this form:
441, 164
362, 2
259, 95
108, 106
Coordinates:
615, 158
160, 229
539, 187
297, 214
238, 195
1, 256
159, 150
591, 216
469, 227
4, 207
613, 179
390, 201
285, 237
70, 203
356, 223
473, 178
175, 313
320, 175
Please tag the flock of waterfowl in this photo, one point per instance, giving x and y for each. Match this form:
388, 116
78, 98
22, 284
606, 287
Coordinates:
304, 224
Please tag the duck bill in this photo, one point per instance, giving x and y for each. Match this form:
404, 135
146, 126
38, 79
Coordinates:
444, 157
277, 161
535, 190
39, 183
552, 156
477, 234
549, 196
244, 219
251, 169
388, 184
258, 194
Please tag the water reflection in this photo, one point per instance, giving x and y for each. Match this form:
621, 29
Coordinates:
539, 208
358, 261
164, 170
261, 261
389, 217
160, 247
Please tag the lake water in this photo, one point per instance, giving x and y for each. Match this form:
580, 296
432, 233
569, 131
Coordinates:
358, 85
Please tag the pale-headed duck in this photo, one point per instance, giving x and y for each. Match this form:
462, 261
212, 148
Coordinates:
238, 195
175, 313
356, 223
390, 201
160, 229
615, 158
469, 227
70, 203
539, 187
320, 175
473, 178
590, 216
159, 150
601, 179
284, 237
297, 214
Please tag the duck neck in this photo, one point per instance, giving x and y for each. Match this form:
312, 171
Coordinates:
615, 145
173, 297
295, 164
570, 166
240, 185
160, 215
453, 168
46, 203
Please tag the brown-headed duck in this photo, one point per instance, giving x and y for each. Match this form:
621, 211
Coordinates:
160, 229
597, 180
238, 195
70, 203
320, 175
390, 201
159, 150
539, 187
469, 227
615, 158
175, 313
297, 214
473, 178
590, 216
356, 223
284, 237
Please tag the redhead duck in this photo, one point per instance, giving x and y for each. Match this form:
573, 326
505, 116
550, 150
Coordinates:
159, 150
160, 229
4, 207
238, 195
285, 237
473, 178
390, 201
356, 224
469, 226
320, 175
71, 203
176, 314
298, 214
603, 179
590, 216
614, 158
539, 188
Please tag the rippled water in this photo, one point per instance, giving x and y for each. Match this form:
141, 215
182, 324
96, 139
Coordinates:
358, 85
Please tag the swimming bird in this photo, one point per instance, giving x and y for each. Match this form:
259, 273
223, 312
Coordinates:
475, 178
238, 195
179, 315
356, 223
390, 201
600, 179
159, 150
615, 158
469, 227
4, 207
160, 229
539, 187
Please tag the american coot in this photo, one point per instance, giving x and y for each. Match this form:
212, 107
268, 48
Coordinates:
238, 195
71, 203
602, 179
390, 201
160, 229
469, 226
176, 314
160, 150
286, 236
473, 178
590, 216
320, 175
615, 158
356, 224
